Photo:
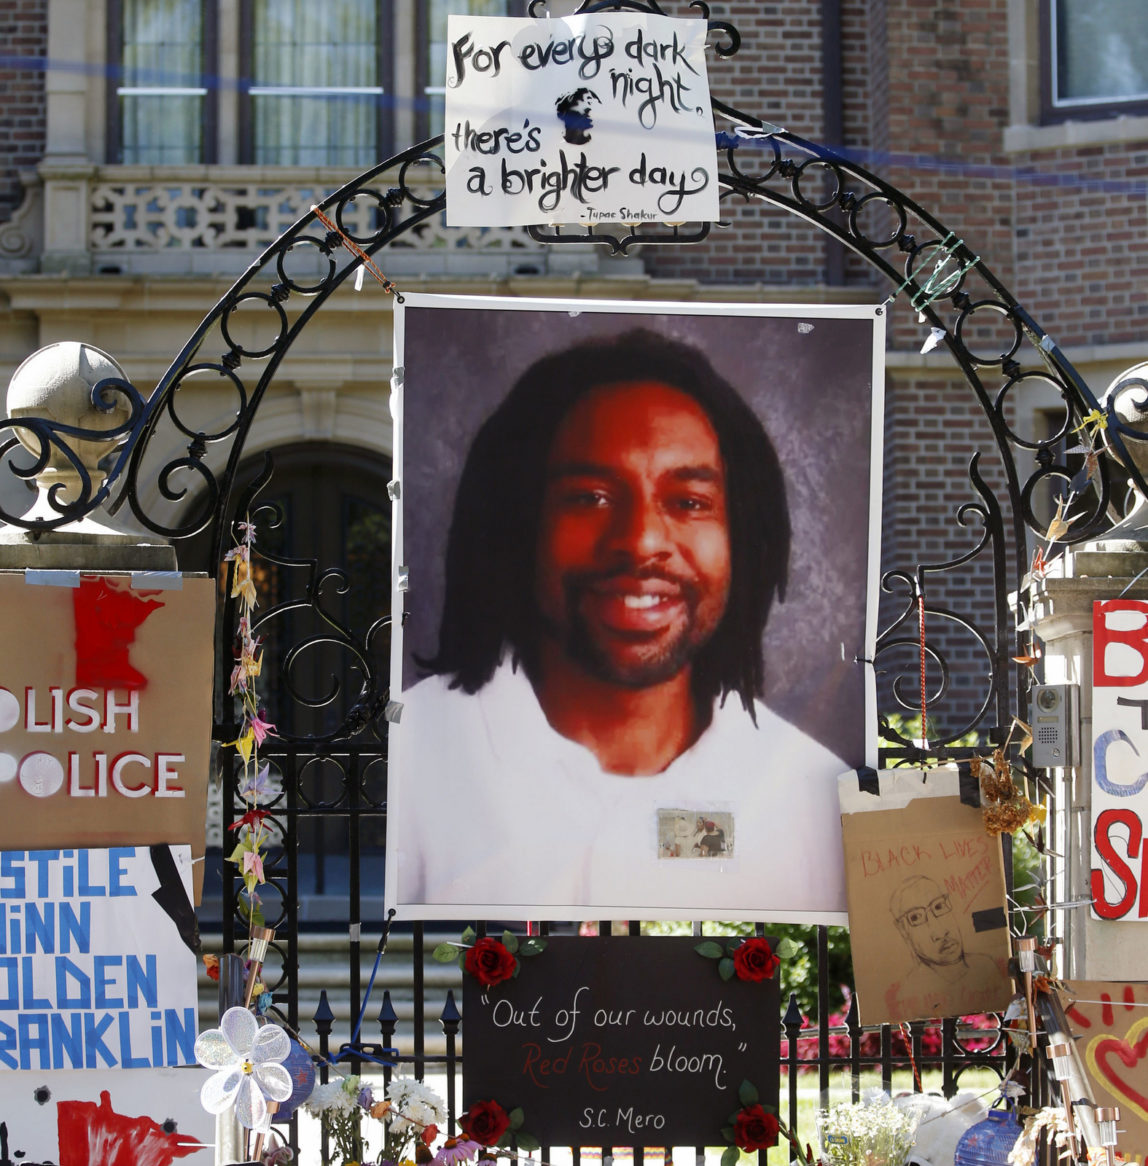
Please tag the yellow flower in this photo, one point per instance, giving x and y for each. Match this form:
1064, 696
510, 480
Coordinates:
242, 585
245, 744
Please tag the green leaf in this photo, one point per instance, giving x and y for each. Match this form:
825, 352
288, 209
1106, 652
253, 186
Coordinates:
532, 946
468, 936
786, 949
510, 942
711, 950
747, 1093
517, 1117
445, 953
503, 1143
462, 961
727, 1131
517, 969
527, 1141
725, 968
730, 1157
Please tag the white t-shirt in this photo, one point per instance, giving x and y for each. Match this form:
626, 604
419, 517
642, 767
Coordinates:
494, 813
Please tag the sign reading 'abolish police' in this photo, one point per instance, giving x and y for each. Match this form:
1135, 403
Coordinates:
599, 117
97, 958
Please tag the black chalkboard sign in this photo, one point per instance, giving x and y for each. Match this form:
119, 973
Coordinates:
621, 1041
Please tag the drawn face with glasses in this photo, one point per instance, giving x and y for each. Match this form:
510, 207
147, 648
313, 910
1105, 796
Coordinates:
924, 917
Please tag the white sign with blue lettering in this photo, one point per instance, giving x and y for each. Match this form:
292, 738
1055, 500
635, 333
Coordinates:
97, 958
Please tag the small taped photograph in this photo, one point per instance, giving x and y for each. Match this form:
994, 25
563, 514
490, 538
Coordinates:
695, 834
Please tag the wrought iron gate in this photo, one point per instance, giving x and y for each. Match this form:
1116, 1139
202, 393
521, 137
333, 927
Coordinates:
332, 750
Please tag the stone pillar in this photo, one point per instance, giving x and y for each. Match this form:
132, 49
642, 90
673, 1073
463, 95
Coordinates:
55, 384
1061, 609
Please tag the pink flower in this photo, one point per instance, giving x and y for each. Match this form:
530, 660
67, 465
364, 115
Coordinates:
253, 864
260, 728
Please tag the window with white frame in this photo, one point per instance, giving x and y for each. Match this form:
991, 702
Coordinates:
162, 110
1095, 58
431, 74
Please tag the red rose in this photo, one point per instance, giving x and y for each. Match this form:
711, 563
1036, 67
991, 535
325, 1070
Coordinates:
486, 1121
754, 960
754, 1129
489, 962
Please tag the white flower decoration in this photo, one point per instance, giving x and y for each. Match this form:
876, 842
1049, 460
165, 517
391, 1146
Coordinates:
249, 1073
414, 1106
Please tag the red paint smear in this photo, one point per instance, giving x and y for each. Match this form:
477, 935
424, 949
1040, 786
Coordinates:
1075, 1014
1129, 1055
106, 621
95, 1135
1107, 1016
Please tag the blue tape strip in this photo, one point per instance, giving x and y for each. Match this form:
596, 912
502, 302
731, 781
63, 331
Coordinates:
52, 578
157, 580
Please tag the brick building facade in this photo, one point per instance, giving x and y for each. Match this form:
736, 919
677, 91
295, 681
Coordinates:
950, 103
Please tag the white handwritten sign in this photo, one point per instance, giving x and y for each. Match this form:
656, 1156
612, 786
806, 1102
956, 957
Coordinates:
1119, 759
594, 118
97, 967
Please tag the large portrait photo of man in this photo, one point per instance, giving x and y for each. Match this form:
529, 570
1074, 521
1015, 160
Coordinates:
634, 556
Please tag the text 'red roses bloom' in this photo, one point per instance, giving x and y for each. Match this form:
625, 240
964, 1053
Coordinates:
486, 1121
754, 960
489, 962
754, 1129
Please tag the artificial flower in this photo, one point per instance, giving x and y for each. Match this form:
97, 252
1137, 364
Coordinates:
247, 1063
245, 742
253, 865
242, 584
253, 818
755, 1128
455, 1150
485, 1122
258, 786
260, 728
754, 960
490, 962
211, 966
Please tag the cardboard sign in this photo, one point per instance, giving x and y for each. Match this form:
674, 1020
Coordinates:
926, 893
597, 117
152, 1117
1119, 759
621, 1041
105, 709
97, 959
1110, 1023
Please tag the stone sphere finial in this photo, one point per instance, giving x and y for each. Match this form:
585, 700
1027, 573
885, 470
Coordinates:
55, 383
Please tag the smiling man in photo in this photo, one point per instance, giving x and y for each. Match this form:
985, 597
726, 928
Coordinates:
619, 535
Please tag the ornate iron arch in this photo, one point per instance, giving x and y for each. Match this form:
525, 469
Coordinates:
189, 492
943, 278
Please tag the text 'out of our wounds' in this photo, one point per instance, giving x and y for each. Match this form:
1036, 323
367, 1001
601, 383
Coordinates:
575, 1041
68, 762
